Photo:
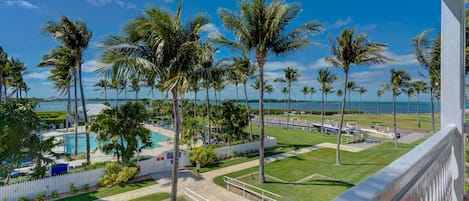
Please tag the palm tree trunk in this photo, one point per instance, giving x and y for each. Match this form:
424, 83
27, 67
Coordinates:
394, 120
349, 101
237, 97
408, 105
418, 110
249, 110
195, 102
176, 147
261, 61
377, 106
288, 115
88, 159
432, 100
360, 105
322, 114
339, 134
208, 113
68, 106
76, 112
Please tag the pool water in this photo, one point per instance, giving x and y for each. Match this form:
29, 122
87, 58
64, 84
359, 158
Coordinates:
69, 141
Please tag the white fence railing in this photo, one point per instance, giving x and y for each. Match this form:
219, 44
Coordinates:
227, 151
193, 195
60, 183
428, 172
248, 189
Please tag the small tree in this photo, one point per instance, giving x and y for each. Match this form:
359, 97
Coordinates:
234, 120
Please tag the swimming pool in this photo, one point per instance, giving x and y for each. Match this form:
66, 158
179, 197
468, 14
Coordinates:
69, 141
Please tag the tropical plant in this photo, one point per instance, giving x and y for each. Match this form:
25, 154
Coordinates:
379, 94
116, 173
349, 50
339, 93
305, 91
361, 91
312, 91
420, 87
428, 55
410, 92
291, 75
351, 87
233, 121
74, 36
160, 41
400, 80
203, 155
135, 84
190, 132
3, 71
284, 92
40, 150
104, 84
325, 78
270, 89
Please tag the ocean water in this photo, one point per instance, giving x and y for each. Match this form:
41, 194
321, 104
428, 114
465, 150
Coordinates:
69, 141
370, 107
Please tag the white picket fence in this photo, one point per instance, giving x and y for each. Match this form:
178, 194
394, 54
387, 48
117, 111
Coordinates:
60, 183
228, 151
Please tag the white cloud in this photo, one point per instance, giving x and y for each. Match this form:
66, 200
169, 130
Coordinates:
120, 3
21, 3
367, 78
320, 63
91, 65
280, 65
212, 30
399, 60
341, 22
38, 75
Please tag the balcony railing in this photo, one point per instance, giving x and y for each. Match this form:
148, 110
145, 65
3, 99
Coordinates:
427, 172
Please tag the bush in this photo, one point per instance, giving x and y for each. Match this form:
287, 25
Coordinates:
85, 187
204, 155
73, 188
54, 194
41, 196
116, 174
24, 198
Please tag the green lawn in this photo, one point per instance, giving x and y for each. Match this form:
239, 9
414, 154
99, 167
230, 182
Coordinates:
153, 197
105, 192
354, 169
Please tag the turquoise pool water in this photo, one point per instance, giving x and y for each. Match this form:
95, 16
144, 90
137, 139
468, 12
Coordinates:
69, 141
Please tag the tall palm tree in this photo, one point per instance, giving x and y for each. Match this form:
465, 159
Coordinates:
195, 86
242, 64
75, 36
135, 84
104, 84
235, 78
339, 93
349, 50
325, 78
3, 68
312, 91
305, 91
269, 89
379, 94
351, 87
150, 81
361, 91
161, 42
420, 87
263, 28
291, 75
285, 93
400, 80
428, 55
410, 92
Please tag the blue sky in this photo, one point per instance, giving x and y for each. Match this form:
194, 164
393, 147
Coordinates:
392, 22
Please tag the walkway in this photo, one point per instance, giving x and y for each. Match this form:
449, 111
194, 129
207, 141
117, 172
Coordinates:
203, 183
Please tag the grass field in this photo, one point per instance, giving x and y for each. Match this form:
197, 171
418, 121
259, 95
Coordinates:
105, 192
153, 197
334, 180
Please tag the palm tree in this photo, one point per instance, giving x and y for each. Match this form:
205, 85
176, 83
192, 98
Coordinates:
269, 89
195, 86
325, 78
263, 28
75, 36
235, 78
400, 80
351, 87
339, 93
135, 84
410, 91
428, 56
361, 91
291, 75
305, 91
420, 87
3, 69
104, 84
379, 93
285, 92
312, 91
242, 64
161, 42
150, 81
350, 50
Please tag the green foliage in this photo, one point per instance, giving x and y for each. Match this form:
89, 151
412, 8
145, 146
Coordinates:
41, 196
191, 131
54, 194
23, 198
121, 130
117, 174
204, 155
233, 120
73, 188
52, 117
85, 188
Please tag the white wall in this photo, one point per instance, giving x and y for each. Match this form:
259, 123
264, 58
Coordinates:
60, 183
243, 148
152, 165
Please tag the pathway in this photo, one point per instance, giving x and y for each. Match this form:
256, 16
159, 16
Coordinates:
203, 183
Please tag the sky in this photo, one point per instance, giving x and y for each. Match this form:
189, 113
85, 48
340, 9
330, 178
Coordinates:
394, 23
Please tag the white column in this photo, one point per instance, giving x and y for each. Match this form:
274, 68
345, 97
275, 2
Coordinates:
452, 78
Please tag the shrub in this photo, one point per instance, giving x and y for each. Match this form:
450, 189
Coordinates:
116, 174
85, 187
204, 155
73, 188
41, 196
54, 194
23, 198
